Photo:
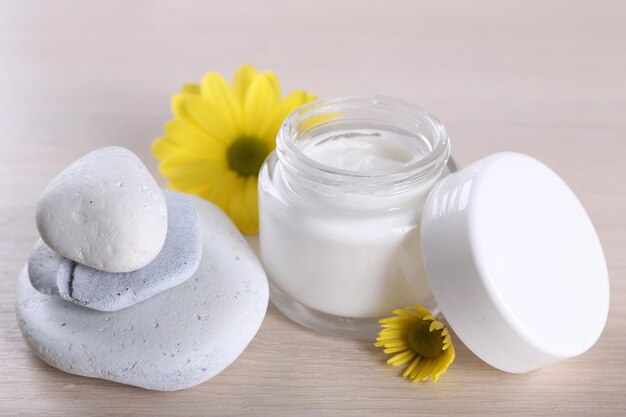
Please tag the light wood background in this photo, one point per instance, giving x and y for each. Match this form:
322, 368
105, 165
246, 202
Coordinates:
547, 78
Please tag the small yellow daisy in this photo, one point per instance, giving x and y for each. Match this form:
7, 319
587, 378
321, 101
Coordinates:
414, 335
219, 137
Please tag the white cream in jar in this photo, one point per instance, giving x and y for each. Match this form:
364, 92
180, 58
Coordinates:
340, 206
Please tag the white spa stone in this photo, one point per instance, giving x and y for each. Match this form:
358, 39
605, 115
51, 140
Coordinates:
105, 211
52, 274
174, 340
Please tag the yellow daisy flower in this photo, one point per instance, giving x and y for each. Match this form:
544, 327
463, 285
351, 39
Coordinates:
415, 336
219, 137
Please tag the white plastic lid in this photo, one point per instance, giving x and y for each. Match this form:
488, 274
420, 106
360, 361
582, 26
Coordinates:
515, 263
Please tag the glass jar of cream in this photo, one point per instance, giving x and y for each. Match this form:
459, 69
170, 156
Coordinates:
361, 212
340, 204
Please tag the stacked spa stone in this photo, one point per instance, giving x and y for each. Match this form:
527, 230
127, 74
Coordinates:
134, 284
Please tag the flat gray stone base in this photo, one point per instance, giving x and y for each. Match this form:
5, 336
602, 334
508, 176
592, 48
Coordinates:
174, 340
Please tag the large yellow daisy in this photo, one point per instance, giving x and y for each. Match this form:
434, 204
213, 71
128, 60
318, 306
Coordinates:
219, 137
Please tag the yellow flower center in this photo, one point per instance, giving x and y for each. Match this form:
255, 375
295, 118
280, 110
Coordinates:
246, 155
426, 343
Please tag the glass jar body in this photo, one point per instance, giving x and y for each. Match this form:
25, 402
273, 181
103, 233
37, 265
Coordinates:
341, 252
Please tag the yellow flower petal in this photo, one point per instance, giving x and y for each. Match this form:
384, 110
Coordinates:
396, 343
418, 370
235, 206
188, 172
243, 207
411, 367
400, 325
425, 370
215, 120
188, 136
190, 88
401, 358
252, 205
450, 354
394, 350
435, 325
397, 319
191, 182
392, 333
216, 90
221, 192
421, 311
391, 338
285, 107
168, 147
259, 104
243, 78
162, 147
405, 313
273, 80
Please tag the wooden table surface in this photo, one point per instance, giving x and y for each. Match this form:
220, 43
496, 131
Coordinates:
543, 78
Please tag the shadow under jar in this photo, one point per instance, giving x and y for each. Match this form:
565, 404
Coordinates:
340, 204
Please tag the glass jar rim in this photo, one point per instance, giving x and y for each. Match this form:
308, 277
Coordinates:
408, 174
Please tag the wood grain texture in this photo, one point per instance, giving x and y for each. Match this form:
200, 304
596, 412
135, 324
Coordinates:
544, 78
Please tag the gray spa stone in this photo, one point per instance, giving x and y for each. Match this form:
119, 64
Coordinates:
46, 268
52, 274
104, 210
174, 340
